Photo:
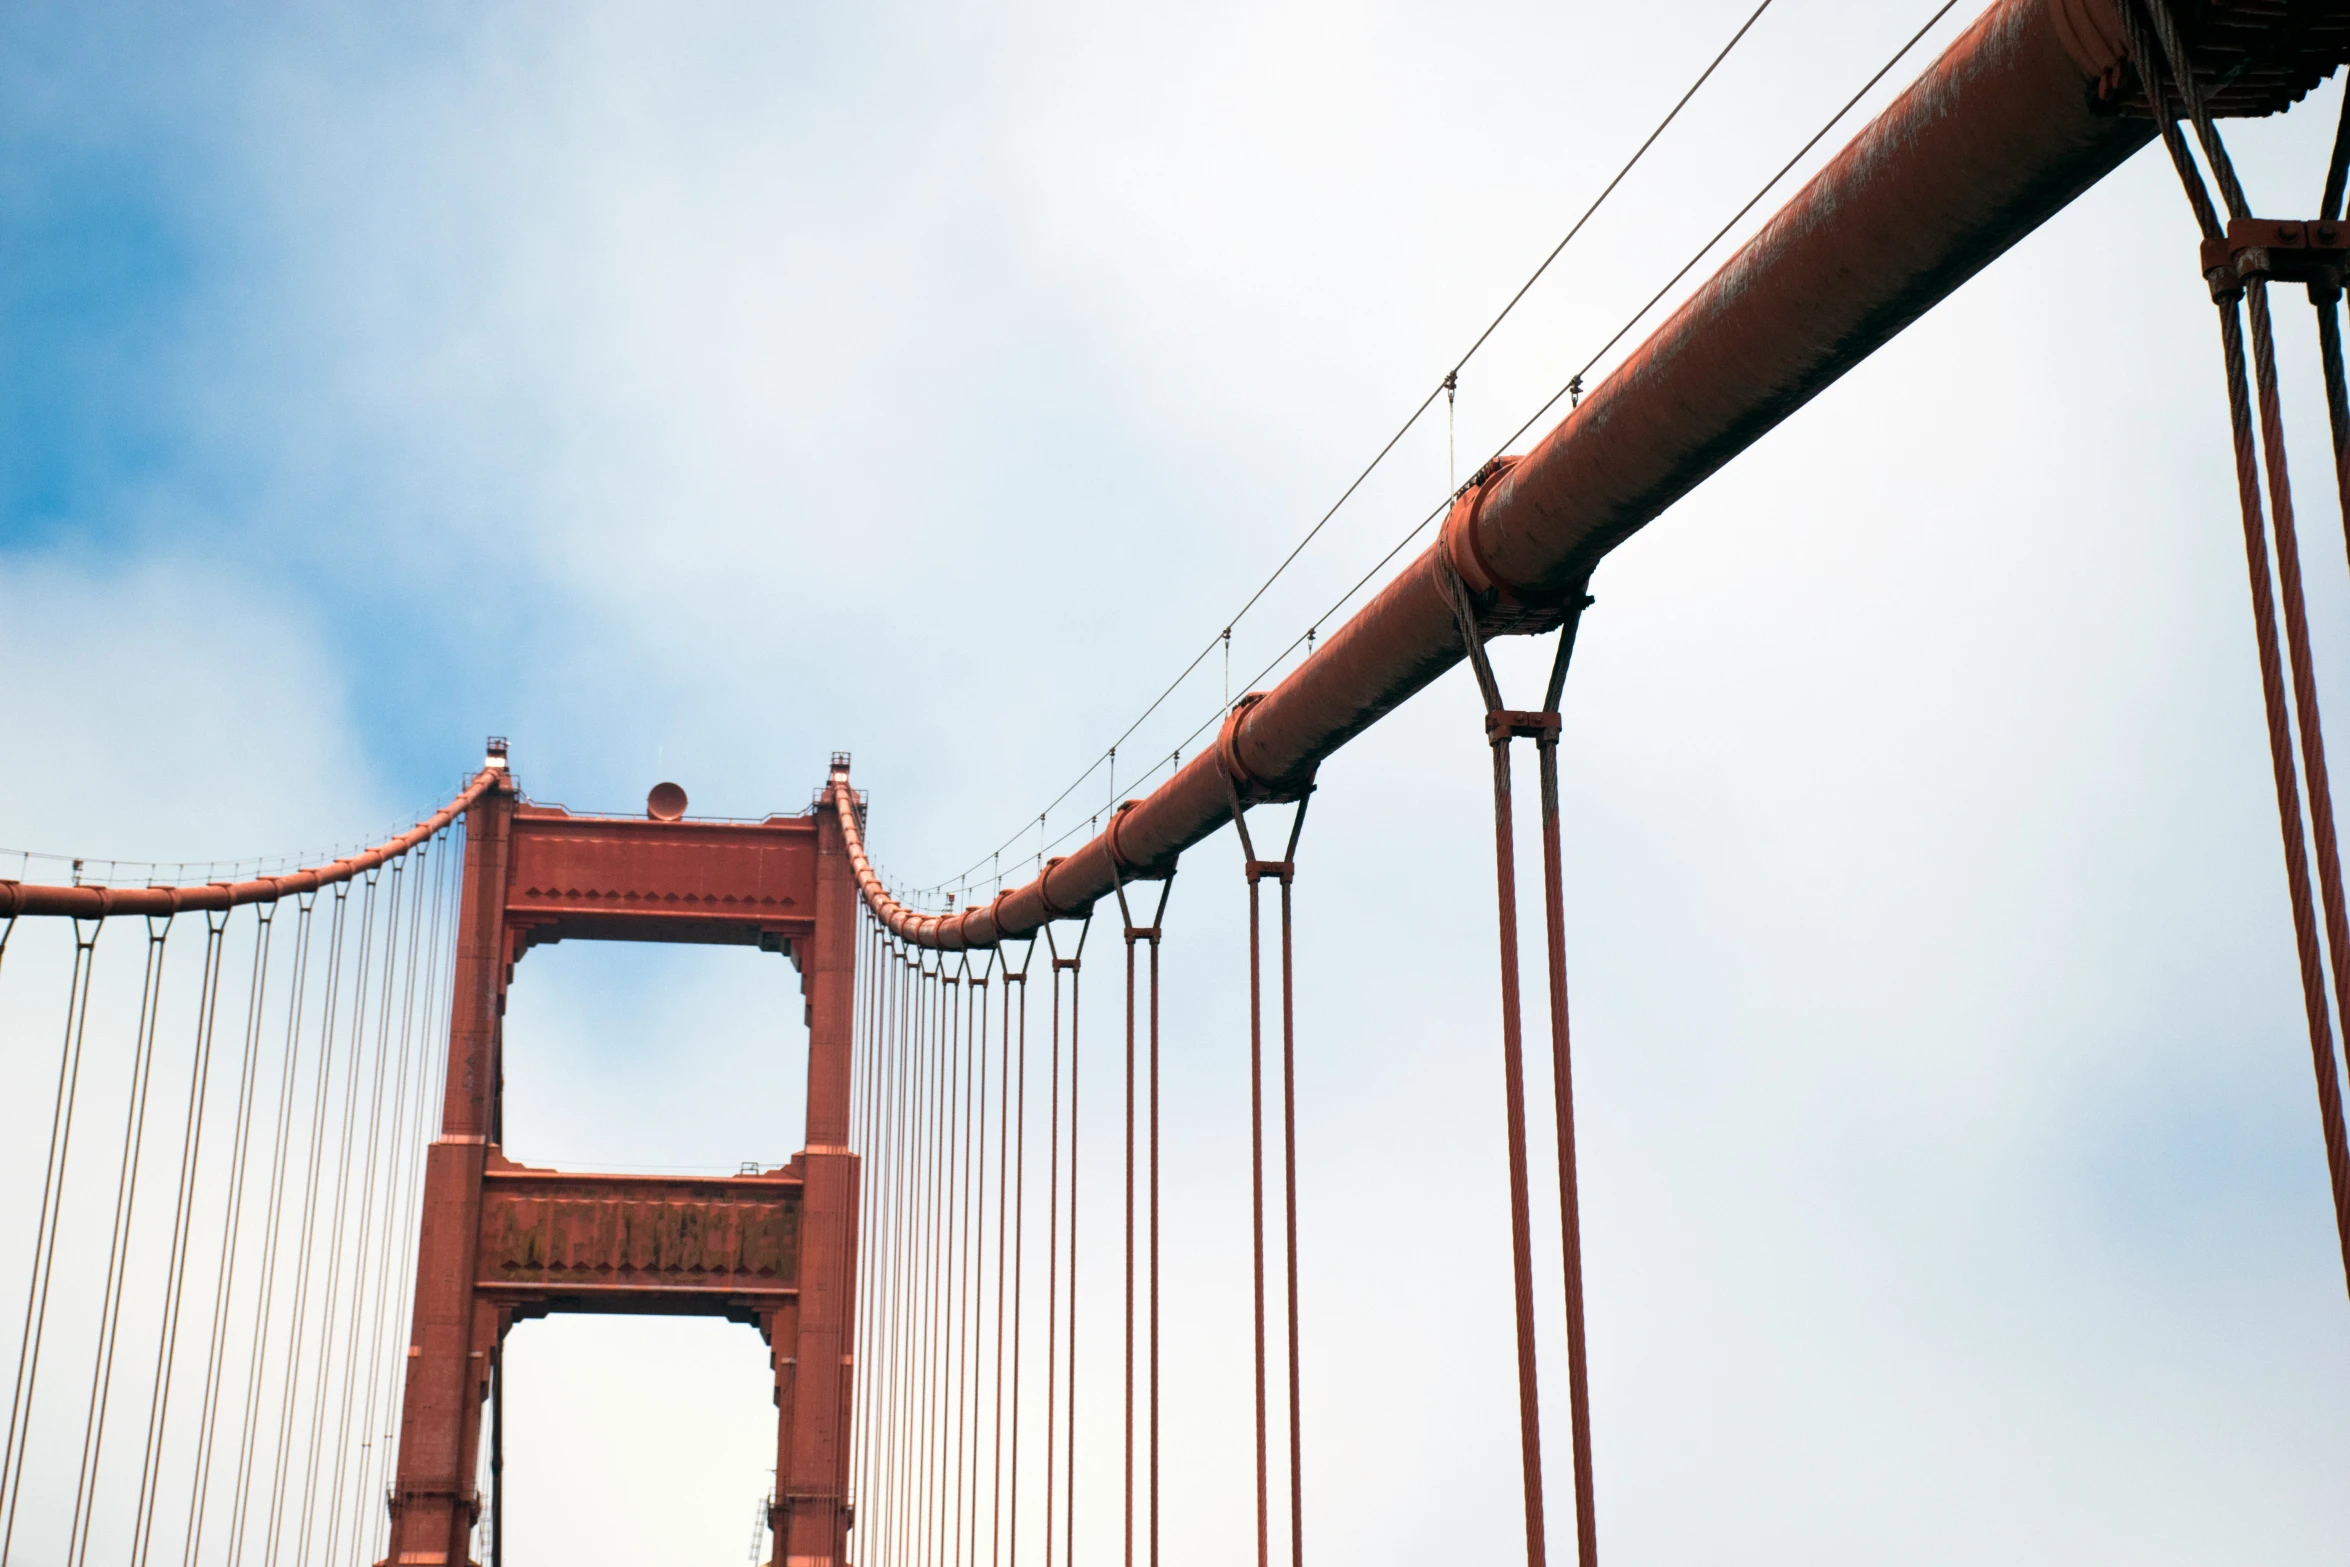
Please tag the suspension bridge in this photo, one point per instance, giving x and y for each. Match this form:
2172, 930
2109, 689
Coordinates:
310, 1369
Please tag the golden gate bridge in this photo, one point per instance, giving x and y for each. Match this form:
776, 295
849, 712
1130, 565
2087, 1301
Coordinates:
310, 1371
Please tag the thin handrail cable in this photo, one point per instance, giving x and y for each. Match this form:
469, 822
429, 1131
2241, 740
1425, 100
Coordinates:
1444, 384
1422, 525
1620, 333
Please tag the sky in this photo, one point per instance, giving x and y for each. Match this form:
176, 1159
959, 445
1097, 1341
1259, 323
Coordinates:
690, 392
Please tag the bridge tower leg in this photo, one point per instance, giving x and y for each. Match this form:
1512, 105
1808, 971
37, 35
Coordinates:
499, 1240
810, 1518
433, 1501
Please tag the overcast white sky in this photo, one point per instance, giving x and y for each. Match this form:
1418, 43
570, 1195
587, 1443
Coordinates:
689, 392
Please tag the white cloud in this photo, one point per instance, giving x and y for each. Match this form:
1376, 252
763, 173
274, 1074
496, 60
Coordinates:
688, 396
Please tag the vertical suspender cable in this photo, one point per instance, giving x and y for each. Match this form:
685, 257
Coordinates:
1004, 1212
257, 1358
889, 1302
873, 1347
1076, 975
36, 1318
498, 1455
384, 1329
1502, 726
871, 1175
927, 1516
873, 1234
2305, 927
1297, 1509
337, 1214
909, 1311
966, 1005
1053, 1251
865, 1050
1521, 1234
1546, 744
183, 1237
1126, 1533
2325, 296
1052, 1257
126, 1197
942, 1242
184, 1200
1133, 933
224, 1278
1019, 1232
902, 1229
1284, 871
352, 1358
1256, 1171
380, 1329
926, 1424
934, 1422
1154, 1226
2303, 664
974, 1218
432, 1064
979, 1230
306, 1232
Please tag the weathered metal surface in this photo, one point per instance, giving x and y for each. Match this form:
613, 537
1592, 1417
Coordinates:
554, 1240
619, 878
2282, 250
2251, 56
2020, 115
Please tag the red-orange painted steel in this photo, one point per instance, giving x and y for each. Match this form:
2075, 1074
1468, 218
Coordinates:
2020, 115
811, 1521
500, 1241
433, 1502
92, 903
657, 1245
633, 878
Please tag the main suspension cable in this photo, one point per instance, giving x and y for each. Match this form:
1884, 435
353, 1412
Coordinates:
1445, 385
1566, 390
